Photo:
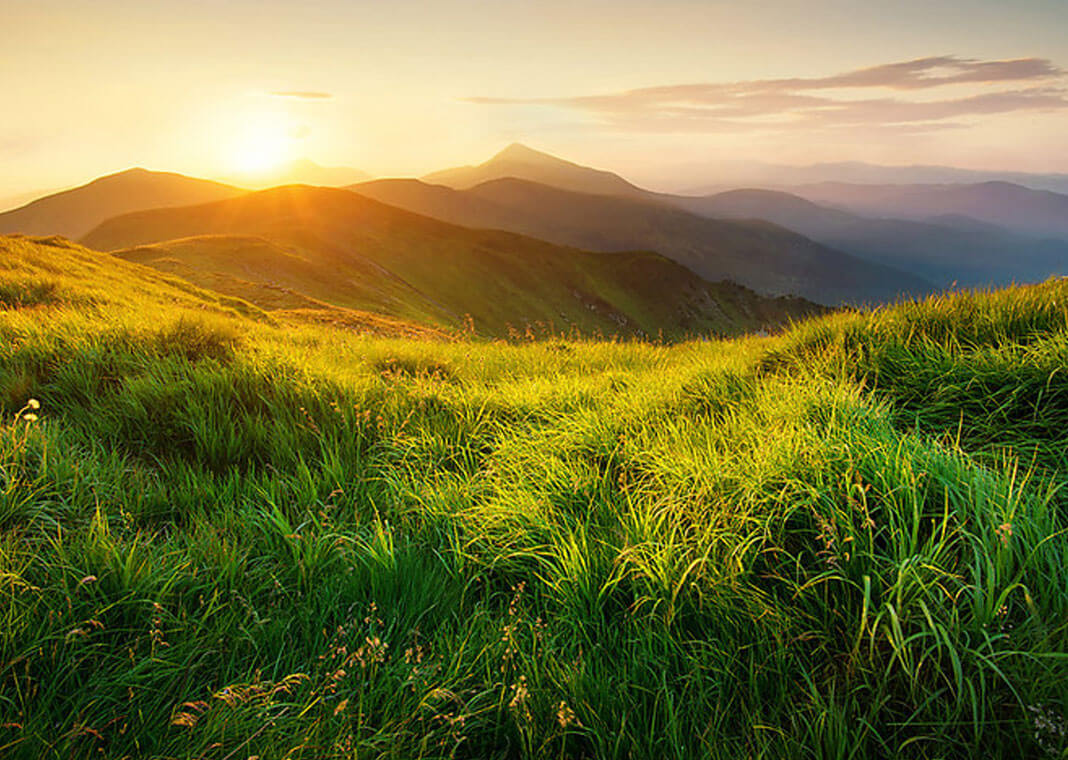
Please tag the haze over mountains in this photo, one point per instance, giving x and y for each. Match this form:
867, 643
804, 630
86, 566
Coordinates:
943, 249
528, 238
759, 255
72, 213
972, 235
1018, 208
725, 175
338, 247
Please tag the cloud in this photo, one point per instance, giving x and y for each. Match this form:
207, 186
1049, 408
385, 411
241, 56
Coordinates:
303, 95
895, 95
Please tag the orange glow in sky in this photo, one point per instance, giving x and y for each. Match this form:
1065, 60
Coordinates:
402, 88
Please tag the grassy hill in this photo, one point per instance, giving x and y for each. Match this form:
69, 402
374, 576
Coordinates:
73, 213
224, 536
759, 255
343, 249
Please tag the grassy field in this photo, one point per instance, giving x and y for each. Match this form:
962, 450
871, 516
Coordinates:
227, 535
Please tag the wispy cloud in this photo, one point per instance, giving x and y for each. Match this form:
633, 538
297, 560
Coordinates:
873, 96
303, 94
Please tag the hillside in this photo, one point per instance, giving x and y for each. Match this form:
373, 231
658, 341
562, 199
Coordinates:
945, 249
759, 255
42, 277
228, 536
520, 162
73, 213
337, 247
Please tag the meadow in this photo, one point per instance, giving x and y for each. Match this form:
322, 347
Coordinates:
225, 534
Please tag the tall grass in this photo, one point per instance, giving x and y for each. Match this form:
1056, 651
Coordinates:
221, 538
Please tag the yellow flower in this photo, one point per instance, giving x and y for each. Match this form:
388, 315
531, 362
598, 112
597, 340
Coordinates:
33, 404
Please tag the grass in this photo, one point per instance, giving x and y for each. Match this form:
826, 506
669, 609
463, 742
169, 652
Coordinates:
224, 535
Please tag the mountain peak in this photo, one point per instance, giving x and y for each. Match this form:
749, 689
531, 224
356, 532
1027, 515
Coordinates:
520, 152
523, 162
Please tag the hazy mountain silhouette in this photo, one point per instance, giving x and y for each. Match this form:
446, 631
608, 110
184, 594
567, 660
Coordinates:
72, 213
759, 255
522, 162
343, 249
945, 249
723, 175
1032, 212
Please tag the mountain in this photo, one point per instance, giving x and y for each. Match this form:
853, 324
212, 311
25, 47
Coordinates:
281, 247
521, 162
946, 249
11, 202
727, 174
302, 172
1032, 212
72, 213
759, 255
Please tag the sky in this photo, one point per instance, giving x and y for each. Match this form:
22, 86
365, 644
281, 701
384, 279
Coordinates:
398, 88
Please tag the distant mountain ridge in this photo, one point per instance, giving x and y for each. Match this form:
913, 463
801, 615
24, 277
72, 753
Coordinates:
73, 213
759, 255
947, 249
1033, 212
969, 235
278, 246
723, 175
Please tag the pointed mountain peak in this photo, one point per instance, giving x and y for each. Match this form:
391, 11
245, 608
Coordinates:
519, 152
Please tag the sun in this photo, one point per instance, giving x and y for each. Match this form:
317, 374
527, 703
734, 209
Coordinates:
259, 146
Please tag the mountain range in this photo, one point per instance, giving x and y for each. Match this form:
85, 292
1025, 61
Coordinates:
725, 175
757, 254
280, 247
526, 239
1017, 208
968, 235
944, 249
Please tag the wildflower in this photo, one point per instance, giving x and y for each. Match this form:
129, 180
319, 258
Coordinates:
520, 693
30, 417
565, 716
33, 404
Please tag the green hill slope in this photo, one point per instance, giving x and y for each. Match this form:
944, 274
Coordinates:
72, 213
337, 247
42, 277
224, 535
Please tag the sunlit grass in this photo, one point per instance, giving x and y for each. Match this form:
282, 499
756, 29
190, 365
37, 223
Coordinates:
222, 536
